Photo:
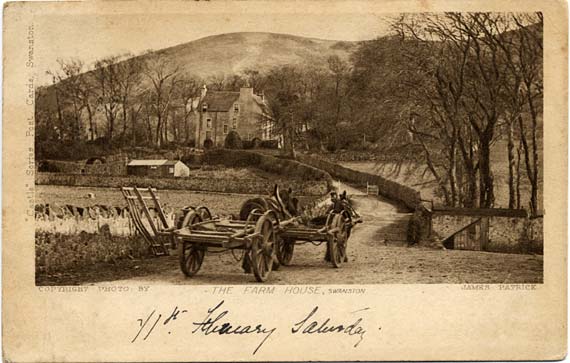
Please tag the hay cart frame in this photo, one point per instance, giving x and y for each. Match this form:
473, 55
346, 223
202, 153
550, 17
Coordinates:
155, 234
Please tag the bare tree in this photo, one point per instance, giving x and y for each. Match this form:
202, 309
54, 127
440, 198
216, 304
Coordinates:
107, 77
74, 93
217, 82
129, 77
188, 92
284, 96
163, 77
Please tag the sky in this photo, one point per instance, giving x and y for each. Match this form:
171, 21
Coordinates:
92, 34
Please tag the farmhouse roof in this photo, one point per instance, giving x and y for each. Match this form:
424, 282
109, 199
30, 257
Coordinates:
220, 100
152, 162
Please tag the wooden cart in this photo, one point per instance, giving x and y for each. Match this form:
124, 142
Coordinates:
266, 237
266, 241
334, 232
255, 236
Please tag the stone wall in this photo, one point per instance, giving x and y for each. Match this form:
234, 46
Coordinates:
222, 185
390, 189
110, 165
506, 234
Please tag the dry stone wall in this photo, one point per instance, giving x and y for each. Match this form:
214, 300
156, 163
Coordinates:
506, 234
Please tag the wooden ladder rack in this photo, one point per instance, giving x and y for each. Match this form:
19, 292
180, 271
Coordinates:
136, 202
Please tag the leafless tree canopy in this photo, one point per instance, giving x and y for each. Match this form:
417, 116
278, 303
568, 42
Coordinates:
439, 92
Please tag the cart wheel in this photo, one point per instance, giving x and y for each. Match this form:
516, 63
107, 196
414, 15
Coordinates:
284, 251
262, 249
337, 241
191, 258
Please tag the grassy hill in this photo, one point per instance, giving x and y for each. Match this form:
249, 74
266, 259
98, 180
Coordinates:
235, 52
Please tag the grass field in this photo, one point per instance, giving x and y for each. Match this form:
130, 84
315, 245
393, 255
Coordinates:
218, 203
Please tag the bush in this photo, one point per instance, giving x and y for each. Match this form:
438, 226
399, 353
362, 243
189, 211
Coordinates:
59, 252
268, 163
270, 144
256, 143
233, 141
247, 144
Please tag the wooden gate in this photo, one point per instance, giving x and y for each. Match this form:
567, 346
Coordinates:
372, 189
473, 236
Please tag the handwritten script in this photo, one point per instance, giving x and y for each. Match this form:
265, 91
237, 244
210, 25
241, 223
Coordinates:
218, 321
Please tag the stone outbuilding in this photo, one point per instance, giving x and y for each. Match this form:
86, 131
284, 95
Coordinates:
158, 168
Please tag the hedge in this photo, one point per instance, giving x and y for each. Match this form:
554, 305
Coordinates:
388, 188
286, 167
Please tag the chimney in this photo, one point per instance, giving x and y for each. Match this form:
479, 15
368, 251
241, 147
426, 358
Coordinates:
203, 92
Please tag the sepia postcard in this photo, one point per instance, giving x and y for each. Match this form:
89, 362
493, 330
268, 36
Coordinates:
284, 180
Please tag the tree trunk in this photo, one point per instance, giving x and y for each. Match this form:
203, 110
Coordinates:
453, 175
531, 174
486, 193
518, 177
511, 159
124, 120
158, 132
90, 116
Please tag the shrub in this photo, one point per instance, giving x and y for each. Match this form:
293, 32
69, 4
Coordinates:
233, 141
270, 144
59, 252
256, 143
281, 166
247, 144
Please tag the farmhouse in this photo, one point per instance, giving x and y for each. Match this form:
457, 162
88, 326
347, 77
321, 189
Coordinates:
221, 112
163, 168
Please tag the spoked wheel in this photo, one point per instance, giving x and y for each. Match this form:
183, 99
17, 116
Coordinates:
263, 249
190, 255
337, 241
284, 251
191, 258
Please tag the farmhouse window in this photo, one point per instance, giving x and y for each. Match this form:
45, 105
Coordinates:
236, 107
204, 107
234, 125
225, 129
171, 170
209, 123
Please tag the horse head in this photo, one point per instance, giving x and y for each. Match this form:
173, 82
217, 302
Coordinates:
288, 203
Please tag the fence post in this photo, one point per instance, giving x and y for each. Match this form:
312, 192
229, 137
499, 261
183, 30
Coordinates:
484, 230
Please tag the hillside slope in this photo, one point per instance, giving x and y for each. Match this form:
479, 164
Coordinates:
235, 52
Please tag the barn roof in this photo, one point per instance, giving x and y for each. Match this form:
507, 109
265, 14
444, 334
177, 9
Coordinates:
220, 100
172, 162
152, 162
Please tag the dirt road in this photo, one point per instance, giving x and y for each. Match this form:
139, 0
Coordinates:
377, 255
